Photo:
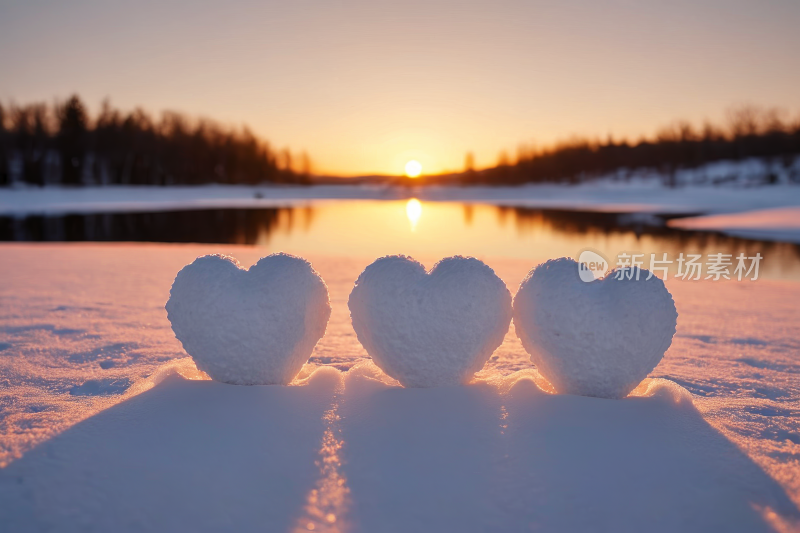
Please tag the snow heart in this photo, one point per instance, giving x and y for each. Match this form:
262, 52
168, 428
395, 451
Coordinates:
593, 339
430, 329
249, 327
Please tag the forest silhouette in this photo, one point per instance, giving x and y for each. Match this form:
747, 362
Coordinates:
61, 144
750, 132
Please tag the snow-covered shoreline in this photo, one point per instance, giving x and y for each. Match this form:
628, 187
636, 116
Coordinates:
609, 196
720, 187
637, 197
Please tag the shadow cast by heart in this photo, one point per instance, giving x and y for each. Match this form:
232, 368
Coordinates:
505, 456
419, 459
643, 463
473, 459
183, 456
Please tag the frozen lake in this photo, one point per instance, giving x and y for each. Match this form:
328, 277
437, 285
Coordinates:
372, 228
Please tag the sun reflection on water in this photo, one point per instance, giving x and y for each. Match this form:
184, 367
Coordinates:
413, 212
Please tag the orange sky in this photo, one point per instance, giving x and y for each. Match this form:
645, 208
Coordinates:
366, 85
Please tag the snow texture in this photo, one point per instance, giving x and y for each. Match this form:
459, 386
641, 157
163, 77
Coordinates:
505, 456
430, 329
197, 455
185, 456
600, 338
249, 327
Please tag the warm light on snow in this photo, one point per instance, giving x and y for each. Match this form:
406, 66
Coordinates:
82, 323
329, 500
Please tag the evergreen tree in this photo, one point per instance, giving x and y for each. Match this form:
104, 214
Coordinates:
5, 148
72, 133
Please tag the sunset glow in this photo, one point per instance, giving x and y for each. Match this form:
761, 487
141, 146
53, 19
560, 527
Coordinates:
413, 169
317, 87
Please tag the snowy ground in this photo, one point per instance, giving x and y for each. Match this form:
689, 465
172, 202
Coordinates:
89, 443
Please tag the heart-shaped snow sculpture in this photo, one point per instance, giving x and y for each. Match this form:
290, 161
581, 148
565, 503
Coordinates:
249, 327
599, 338
430, 329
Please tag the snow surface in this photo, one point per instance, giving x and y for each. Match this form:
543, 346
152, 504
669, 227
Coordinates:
502, 455
184, 456
598, 338
105, 423
430, 329
777, 224
249, 327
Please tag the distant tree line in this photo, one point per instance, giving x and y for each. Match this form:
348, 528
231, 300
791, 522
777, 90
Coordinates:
62, 144
750, 132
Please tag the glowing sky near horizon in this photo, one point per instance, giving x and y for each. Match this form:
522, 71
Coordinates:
365, 85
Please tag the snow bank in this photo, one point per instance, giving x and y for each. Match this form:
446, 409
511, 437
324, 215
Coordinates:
599, 338
249, 327
430, 329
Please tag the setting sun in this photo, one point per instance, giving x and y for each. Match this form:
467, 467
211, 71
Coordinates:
413, 168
